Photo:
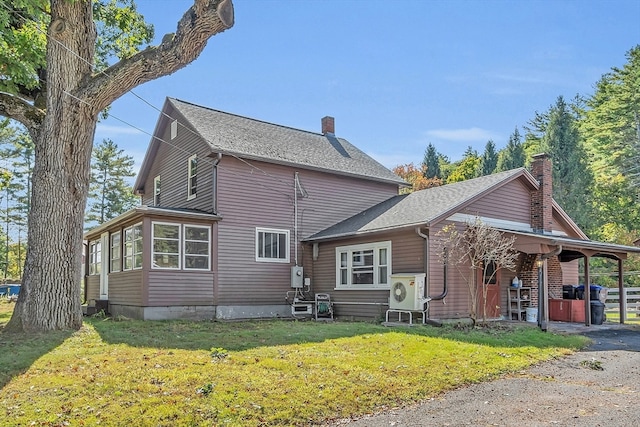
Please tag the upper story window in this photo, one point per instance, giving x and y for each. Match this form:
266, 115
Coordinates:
133, 247
192, 177
365, 266
116, 252
156, 191
95, 257
272, 245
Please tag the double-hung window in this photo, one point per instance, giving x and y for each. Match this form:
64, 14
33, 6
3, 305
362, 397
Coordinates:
166, 245
116, 252
272, 245
365, 266
133, 247
95, 257
181, 246
192, 173
197, 247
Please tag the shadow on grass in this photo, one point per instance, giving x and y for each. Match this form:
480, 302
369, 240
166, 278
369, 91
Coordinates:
243, 335
19, 351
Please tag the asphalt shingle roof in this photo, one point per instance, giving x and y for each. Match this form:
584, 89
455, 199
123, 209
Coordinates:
257, 140
418, 208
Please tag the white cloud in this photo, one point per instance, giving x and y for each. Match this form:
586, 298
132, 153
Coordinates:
473, 134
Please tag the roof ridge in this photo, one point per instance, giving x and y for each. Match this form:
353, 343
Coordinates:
248, 118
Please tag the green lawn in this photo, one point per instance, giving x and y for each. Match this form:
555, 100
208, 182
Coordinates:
614, 316
256, 373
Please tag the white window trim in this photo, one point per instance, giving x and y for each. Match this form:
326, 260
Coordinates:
285, 260
181, 247
133, 254
95, 257
156, 190
115, 250
375, 246
189, 176
179, 239
184, 250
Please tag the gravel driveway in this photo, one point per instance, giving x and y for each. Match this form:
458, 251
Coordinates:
598, 386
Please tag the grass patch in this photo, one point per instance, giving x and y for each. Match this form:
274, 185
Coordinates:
249, 373
613, 316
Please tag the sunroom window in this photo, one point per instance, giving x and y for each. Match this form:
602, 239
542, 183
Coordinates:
364, 266
166, 245
133, 247
116, 252
181, 246
95, 257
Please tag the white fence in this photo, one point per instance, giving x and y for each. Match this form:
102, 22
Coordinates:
630, 295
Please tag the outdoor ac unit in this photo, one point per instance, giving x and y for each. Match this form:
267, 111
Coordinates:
407, 292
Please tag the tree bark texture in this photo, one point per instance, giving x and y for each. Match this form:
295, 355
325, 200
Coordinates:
50, 295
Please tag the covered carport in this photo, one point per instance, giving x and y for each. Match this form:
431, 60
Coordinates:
566, 249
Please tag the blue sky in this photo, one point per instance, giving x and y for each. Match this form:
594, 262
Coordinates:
396, 75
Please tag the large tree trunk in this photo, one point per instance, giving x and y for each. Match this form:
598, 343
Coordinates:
50, 294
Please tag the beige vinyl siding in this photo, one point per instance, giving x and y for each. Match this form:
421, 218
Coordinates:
180, 288
125, 288
510, 202
262, 195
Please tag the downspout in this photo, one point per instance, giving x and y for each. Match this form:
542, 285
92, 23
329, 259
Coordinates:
542, 313
445, 290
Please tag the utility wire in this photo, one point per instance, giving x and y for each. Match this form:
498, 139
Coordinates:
252, 166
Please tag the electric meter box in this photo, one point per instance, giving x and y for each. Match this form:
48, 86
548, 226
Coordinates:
297, 277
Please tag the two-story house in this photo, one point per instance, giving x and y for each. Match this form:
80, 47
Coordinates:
225, 201
235, 212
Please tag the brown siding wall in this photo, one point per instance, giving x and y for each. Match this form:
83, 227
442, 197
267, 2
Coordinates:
125, 287
180, 288
510, 202
171, 164
93, 289
262, 195
456, 303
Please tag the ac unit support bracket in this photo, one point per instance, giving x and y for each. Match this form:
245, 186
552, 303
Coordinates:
410, 313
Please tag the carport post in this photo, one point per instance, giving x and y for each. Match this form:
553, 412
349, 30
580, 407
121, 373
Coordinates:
542, 321
622, 295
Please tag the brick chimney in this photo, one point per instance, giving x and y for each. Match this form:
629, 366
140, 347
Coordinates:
328, 125
542, 199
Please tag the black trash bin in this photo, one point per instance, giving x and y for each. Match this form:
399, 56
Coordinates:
597, 313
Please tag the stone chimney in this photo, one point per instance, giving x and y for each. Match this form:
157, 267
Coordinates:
542, 199
328, 125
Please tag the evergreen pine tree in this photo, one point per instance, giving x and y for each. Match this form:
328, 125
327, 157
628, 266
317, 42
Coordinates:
513, 155
432, 162
489, 159
572, 180
109, 193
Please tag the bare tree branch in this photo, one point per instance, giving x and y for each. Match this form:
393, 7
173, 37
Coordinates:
203, 20
21, 111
